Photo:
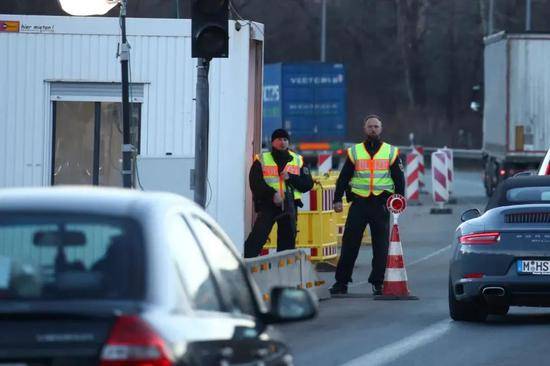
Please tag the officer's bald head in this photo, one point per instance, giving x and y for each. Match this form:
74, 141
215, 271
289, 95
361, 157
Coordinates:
373, 126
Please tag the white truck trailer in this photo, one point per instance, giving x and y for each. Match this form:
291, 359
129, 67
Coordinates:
516, 115
60, 108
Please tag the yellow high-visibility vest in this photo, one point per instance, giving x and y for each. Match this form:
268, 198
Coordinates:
372, 174
271, 171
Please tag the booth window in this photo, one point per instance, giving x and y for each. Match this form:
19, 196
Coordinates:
87, 133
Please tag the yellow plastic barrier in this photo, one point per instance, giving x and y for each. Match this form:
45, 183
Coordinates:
321, 197
316, 232
320, 229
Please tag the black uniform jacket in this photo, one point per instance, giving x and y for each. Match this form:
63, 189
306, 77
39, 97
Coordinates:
344, 179
263, 194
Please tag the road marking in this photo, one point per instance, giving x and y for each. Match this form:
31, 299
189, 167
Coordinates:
393, 351
437, 252
420, 260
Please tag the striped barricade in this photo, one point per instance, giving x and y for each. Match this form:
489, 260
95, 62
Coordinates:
419, 150
440, 183
450, 171
324, 163
319, 198
412, 173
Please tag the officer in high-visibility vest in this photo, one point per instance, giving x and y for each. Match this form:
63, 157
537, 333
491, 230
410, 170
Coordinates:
373, 171
277, 180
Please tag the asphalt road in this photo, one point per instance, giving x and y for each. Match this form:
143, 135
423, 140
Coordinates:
362, 331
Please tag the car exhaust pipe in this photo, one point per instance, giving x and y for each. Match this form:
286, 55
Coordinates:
493, 291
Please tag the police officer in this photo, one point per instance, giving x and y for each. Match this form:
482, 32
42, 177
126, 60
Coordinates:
277, 180
373, 171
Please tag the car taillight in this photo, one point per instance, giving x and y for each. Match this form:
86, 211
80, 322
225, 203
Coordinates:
548, 169
133, 343
502, 172
480, 238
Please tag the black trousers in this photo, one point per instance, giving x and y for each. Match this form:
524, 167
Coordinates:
286, 231
363, 211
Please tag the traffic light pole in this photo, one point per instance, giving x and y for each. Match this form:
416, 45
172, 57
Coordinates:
323, 30
201, 132
127, 147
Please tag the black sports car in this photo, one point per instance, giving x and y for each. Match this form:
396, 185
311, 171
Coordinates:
502, 258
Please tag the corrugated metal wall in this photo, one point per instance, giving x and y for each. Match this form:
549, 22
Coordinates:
494, 113
84, 50
162, 62
530, 92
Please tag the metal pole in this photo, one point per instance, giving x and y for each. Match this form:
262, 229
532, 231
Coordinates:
491, 17
527, 15
323, 30
201, 132
127, 147
178, 16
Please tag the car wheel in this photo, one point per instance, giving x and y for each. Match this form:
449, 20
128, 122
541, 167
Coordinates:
472, 311
499, 309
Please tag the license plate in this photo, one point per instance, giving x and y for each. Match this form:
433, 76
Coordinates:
536, 267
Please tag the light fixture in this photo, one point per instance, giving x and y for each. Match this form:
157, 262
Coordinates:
87, 7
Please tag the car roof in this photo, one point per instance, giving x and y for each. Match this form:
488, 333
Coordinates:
86, 199
499, 196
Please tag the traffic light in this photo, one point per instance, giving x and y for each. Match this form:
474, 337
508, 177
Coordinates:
209, 28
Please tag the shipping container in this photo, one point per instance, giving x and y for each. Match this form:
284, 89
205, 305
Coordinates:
60, 114
308, 99
516, 115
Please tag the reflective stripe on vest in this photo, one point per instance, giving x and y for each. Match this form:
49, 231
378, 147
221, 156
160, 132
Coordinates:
271, 171
372, 174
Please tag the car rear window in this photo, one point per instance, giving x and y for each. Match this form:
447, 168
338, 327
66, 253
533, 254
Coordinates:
51, 257
528, 195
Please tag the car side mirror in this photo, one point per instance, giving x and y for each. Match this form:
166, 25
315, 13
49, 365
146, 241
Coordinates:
470, 214
290, 304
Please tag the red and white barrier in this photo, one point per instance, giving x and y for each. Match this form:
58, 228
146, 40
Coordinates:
422, 174
312, 203
412, 174
440, 178
324, 163
450, 167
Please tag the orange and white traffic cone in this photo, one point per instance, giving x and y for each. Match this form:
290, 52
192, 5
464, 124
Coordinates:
395, 279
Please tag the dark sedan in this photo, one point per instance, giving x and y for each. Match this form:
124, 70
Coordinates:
117, 277
502, 258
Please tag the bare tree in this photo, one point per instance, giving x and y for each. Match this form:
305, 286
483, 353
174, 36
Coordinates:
411, 26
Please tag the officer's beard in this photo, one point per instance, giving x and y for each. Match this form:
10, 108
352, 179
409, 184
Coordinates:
283, 155
373, 138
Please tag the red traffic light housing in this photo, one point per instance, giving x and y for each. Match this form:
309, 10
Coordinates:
209, 28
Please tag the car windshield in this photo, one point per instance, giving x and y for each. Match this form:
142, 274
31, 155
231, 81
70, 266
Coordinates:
51, 257
528, 195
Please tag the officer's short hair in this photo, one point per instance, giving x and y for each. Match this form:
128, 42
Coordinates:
369, 116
